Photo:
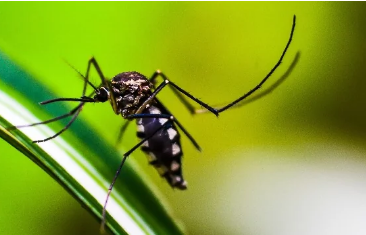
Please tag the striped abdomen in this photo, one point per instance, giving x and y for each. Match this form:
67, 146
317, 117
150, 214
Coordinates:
164, 148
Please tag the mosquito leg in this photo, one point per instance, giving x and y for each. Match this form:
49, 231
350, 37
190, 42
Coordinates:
150, 98
77, 112
93, 62
263, 93
205, 105
122, 131
168, 117
50, 120
119, 171
74, 112
105, 83
190, 107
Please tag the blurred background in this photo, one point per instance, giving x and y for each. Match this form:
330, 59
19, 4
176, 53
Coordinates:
293, 162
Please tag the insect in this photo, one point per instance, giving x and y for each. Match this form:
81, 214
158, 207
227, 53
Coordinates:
133, 96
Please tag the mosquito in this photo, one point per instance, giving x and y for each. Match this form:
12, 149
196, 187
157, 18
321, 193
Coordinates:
133, 96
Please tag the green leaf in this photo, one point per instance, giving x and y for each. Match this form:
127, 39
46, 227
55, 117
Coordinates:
84, 164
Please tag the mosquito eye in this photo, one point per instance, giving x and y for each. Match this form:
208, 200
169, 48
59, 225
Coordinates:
102, 95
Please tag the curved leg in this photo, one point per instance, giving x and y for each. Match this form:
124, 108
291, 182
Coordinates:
180, 92
119, 171
169, 117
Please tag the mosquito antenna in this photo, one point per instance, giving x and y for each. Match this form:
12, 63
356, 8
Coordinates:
83, 77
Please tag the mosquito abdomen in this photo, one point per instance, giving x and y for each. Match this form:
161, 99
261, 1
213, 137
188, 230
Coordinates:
163, 149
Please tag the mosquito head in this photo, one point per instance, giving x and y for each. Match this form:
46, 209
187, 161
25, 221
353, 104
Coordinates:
130, 90
101, 94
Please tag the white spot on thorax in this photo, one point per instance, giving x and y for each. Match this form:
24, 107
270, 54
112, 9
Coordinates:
134, 82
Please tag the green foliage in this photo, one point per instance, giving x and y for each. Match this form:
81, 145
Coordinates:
292, 162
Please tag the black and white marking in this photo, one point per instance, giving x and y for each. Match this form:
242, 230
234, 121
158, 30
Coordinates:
133, 96
163, 148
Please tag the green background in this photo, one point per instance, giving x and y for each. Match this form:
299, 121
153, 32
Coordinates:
293, 162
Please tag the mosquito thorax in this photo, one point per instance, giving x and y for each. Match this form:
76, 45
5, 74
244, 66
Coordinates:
130, 90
